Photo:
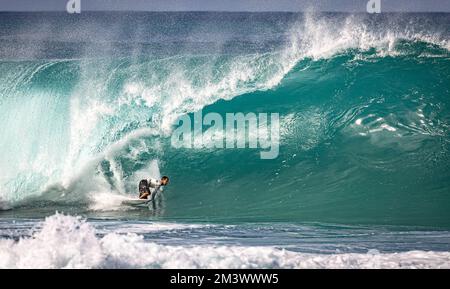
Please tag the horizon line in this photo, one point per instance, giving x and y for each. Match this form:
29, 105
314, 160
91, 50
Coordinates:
230, 11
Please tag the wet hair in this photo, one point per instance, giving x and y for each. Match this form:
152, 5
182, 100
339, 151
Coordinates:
165, 178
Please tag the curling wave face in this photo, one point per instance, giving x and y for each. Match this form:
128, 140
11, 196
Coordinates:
363, 103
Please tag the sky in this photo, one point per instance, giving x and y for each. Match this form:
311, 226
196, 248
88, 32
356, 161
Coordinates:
228, 5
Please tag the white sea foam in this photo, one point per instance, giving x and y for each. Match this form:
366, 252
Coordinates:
69, 242
107, 201
143, 228
321, 37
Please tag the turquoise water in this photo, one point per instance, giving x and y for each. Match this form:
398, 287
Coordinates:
88, 104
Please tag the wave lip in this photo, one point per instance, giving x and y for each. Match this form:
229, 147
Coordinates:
70, 242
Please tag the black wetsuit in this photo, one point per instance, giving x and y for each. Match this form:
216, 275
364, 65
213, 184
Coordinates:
143, 188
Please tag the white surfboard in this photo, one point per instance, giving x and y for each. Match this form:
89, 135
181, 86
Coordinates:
136, 202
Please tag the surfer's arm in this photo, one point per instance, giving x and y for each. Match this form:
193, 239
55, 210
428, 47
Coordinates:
144, 195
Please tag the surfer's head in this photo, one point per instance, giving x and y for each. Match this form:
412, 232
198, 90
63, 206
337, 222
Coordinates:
164, 180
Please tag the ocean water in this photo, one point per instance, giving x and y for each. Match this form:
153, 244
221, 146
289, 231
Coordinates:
88, 103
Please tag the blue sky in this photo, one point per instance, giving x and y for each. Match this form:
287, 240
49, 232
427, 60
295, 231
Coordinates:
228, 5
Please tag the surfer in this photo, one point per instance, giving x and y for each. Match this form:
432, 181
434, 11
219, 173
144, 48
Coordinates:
145, 185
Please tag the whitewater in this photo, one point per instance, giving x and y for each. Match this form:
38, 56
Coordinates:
68, 242
88, 106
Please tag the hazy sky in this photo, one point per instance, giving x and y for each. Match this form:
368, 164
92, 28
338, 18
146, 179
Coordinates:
228, 5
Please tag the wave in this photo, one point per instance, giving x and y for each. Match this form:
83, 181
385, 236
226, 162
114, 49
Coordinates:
69, 242
79, 128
